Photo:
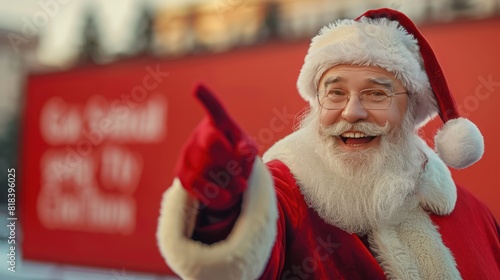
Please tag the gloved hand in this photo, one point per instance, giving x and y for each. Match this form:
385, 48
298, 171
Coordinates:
217, 159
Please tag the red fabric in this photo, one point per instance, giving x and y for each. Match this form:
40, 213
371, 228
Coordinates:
217, 158
447, 106
472, 235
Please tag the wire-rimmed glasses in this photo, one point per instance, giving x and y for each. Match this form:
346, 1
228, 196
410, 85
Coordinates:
370, 98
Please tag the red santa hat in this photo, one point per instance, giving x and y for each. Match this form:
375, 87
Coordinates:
389, 39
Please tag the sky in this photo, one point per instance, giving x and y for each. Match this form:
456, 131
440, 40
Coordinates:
58, 23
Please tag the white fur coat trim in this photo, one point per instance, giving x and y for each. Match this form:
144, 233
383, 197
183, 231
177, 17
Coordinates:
413, 249
437, 192
245, 252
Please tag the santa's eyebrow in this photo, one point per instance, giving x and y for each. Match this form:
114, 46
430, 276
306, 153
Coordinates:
333, 79
387, 83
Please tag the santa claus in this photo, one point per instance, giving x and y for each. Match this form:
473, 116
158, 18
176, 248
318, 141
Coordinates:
354, 193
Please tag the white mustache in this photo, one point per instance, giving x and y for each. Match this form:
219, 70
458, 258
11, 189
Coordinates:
364, 127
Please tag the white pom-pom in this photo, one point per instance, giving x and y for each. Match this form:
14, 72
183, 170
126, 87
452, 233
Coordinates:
459, 143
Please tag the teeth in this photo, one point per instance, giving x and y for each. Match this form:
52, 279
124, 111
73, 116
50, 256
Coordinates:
354, 135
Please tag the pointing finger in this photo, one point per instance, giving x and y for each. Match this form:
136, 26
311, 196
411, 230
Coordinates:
217, 112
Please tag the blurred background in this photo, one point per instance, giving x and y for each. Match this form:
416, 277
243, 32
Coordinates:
95, 104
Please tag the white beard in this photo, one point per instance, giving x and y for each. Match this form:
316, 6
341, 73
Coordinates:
385, 192
357, 191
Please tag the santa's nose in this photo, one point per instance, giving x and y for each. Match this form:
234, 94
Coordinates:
354, 110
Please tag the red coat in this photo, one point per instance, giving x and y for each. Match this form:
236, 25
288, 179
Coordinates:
278, 236
308, 248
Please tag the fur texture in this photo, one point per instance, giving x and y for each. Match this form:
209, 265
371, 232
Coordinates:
459, 143
437, 192
413, 249
245, 252
378, 42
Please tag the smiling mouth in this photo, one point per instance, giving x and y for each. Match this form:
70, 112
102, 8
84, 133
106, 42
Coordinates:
356, 138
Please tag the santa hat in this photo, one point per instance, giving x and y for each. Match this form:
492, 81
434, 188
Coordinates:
389, 39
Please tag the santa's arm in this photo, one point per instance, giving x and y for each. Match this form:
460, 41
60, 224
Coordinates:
244, 254
224, 194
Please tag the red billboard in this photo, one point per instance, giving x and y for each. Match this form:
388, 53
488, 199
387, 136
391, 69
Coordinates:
94, 160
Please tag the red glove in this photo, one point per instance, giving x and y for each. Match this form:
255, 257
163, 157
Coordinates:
217, 159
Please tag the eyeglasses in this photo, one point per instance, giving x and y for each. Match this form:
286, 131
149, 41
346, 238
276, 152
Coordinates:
370, 98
